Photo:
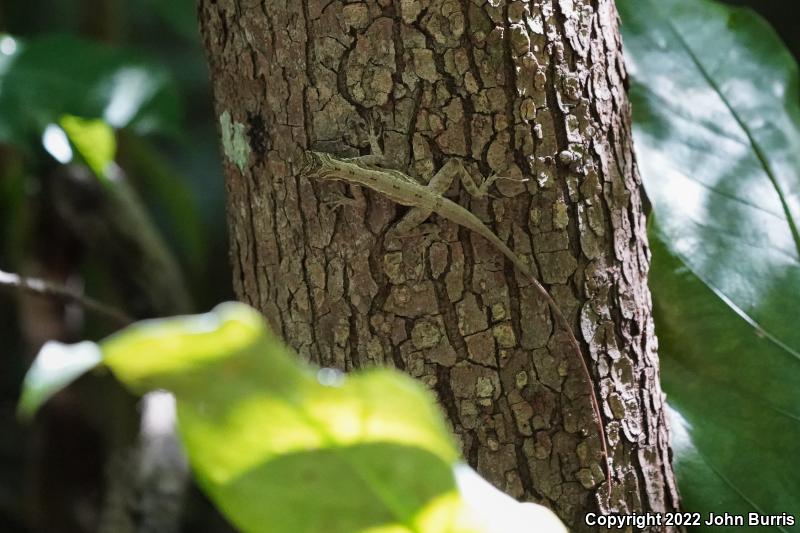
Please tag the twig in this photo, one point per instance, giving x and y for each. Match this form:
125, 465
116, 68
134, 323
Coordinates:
53, 290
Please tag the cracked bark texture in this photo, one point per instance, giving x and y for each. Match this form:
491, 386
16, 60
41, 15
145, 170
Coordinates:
532, 89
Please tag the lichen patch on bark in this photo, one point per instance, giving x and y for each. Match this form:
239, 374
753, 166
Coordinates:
235, 144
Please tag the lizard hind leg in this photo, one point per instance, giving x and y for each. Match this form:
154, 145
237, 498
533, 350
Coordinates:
411, 221
469, 182
453, 169
339, 199
411, 225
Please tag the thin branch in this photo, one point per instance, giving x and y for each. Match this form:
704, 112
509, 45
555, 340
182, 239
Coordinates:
60, 292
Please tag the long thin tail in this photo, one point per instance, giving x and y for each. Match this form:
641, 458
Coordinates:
564, 324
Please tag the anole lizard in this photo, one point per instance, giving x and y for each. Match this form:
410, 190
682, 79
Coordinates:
427, 199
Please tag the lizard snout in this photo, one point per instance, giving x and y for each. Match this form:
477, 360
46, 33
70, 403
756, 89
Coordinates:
317, 164
312, 164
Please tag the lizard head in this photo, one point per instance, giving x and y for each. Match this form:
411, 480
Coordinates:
317, 165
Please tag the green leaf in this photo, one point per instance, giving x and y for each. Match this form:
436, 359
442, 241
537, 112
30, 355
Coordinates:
283, 448
94, 139
735, 393
252, 420
717, 131
44, 78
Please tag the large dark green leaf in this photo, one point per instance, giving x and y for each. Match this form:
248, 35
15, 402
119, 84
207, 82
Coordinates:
717, 131
44, 78
735, 393
283, 448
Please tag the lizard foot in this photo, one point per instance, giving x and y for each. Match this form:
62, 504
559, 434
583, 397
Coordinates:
484, 188
396, 236
423, 230
374, 135
495, 176
341, 201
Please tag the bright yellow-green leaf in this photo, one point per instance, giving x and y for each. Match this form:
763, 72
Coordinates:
281, 447
94, 139
253, 419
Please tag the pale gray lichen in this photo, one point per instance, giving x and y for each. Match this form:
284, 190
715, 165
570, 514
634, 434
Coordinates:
484, 388
504, 334
425, 334
234, 141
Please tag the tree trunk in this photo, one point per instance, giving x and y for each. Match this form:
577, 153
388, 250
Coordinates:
524, 89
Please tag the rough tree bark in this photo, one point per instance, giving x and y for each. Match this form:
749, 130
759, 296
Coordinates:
532, 89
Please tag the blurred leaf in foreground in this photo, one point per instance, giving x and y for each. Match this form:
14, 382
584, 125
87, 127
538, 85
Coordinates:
284, 448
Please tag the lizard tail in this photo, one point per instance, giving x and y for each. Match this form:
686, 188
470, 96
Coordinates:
573, 341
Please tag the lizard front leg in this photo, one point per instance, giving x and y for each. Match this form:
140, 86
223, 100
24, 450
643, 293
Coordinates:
376, 157
437, 186
411, 221
455, 168
338, 200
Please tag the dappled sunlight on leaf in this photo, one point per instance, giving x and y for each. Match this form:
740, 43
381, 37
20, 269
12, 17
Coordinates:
717, 131
94, 140
167, 349
281, 447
